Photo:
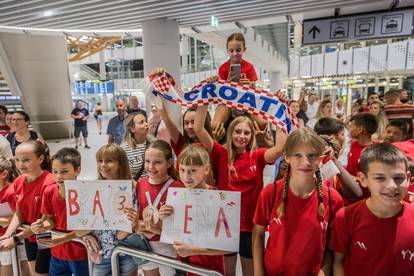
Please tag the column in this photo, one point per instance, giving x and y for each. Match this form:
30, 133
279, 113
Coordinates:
102, 69
298, 34
185, 49
275, 81
161, 39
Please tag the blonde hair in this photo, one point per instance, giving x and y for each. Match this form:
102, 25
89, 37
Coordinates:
194, 155
382, 120
114, 152
300, 137
129, 123
319, 113
229, 141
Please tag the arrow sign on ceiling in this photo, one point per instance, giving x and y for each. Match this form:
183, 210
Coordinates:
314, 30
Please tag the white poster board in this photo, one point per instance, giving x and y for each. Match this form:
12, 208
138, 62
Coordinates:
204, 218
98, 204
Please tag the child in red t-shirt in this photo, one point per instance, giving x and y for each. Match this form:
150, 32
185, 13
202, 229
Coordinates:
297, 212
151, 194
7, 195
245, 168
33, 161
68, 257
375, 236
194, 170
236, 47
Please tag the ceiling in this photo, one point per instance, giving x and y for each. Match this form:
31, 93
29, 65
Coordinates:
128, 14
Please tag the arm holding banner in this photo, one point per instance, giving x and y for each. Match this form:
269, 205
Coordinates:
173, 130
258, 237
200, 131
274, 152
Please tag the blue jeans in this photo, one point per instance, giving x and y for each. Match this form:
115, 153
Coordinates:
60, 267
126, 266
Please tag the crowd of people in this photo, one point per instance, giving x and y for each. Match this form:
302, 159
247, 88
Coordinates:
340, 202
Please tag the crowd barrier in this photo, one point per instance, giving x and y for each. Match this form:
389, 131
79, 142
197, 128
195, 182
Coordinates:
149, 256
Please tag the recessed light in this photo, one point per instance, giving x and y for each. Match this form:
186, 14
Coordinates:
47, 13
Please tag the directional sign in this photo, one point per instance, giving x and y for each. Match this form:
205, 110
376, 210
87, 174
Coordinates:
358, 27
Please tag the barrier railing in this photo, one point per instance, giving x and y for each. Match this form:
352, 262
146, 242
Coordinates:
15, 257
158, 259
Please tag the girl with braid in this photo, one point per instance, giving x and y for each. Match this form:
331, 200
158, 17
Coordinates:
297, 211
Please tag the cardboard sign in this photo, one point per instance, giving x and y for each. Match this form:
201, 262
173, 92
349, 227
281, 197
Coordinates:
98, 204
203, 218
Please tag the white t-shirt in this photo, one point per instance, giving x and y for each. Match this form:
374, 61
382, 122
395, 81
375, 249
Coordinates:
5, 149
312, 109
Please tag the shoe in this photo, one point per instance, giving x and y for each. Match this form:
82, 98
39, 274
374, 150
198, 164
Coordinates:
87, 147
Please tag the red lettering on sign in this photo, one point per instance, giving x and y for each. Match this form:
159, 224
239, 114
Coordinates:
221, 218
187, 218
97, 201
74, 207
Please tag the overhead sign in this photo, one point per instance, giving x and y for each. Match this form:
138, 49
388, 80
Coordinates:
214, 21
358, 27
204, 218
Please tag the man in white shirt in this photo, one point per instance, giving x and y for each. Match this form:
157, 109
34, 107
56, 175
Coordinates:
313, 106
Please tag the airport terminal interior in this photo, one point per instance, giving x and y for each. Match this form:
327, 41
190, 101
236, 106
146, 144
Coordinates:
206, 137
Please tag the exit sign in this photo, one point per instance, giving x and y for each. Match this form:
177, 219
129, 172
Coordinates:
214, 22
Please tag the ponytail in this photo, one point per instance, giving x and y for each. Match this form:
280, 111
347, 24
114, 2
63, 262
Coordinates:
321, 209
41, 148
281, 207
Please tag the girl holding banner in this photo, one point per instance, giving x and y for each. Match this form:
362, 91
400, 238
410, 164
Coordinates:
113, 165
245, 168
195, 168
151, 192
297, 212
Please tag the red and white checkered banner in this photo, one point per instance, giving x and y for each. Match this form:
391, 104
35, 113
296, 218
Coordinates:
245, 98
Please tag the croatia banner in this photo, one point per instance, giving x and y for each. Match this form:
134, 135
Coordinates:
245, 98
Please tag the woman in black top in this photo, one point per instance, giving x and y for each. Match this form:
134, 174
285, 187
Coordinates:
20, 122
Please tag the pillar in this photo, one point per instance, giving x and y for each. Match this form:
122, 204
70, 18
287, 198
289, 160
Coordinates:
161, 39
275, 81
102, 68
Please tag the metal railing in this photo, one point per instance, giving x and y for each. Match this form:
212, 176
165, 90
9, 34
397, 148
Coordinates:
158, 259
15, 256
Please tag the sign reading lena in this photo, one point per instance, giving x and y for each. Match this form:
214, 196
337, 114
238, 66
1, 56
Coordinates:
98, 204
247, 99
203, 218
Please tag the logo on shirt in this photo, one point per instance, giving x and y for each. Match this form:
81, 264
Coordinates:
407, 254
278, 221
253, 168
361, 245
37, 198
324, 225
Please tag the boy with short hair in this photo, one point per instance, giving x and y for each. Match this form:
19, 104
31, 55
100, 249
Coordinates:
375, 236
68, 257
396, 110
396, 131
361, 128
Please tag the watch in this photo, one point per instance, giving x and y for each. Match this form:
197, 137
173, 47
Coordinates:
16, 239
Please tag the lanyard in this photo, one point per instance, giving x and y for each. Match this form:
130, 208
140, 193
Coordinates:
158, 198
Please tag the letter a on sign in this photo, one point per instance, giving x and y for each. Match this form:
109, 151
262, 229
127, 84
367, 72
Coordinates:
221, 218
97, 201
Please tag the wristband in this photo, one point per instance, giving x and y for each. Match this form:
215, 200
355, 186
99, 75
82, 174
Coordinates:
16, 239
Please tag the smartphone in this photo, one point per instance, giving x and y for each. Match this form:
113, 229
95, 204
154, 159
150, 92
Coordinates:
235, 72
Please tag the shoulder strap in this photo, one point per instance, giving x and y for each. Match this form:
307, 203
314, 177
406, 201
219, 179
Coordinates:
141, 170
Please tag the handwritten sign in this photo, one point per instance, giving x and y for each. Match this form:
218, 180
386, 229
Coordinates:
98, 204
204, 218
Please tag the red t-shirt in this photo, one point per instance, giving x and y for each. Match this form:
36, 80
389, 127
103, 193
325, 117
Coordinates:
215, 263
144, 186
296, 241
249, 181
53, 205
29, 197
220, 166
247, 70
407, 147
8, 195
4, 130
372, 245
353, 166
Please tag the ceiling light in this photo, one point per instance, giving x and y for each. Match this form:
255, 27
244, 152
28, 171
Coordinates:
48, 13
